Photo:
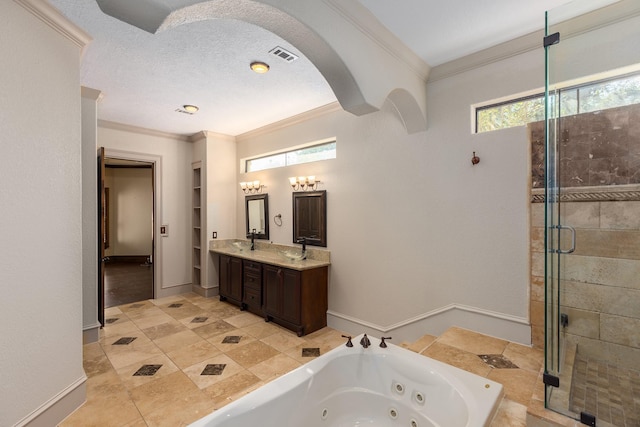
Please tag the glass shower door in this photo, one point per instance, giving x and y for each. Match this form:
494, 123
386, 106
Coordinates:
592, 213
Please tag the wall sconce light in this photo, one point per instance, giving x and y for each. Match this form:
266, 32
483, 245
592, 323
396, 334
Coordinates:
304, 183
251, 187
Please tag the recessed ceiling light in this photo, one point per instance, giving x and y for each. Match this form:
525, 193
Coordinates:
191, 109
259, 67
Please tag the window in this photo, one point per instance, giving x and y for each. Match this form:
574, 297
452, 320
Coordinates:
590, 97
312, 153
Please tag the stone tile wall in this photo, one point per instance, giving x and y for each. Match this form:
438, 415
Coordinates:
601, 287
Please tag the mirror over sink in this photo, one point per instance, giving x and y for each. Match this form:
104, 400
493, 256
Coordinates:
257, 214
310, 218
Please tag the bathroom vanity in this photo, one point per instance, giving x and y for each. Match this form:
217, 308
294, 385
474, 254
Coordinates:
267, 282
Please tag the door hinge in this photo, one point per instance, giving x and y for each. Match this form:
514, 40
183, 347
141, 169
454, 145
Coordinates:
551, 380
551, 39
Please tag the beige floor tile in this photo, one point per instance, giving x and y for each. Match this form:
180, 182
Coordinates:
96, 365
198, 320
172, 299
152, 320
252, 353
203, 381
472, 342
127, 356
422, 343
510, 414
274, 367
193, 353
459, 358
162, 330
525, 357
283, 341
218, 340
118, 329
261, 330
112, 312
136, 308
132, 381
213, 329
177, 341
92, 350
243, 319
518, 383
178, 414
326, 336
176, 386
221, 392
297, 353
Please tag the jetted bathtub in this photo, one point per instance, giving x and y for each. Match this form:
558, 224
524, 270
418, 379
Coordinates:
374, 386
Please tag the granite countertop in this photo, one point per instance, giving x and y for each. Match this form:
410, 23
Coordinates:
270, 253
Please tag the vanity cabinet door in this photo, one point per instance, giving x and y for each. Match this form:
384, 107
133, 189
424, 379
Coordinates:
290, 296
230, 277
252, 287
271, 288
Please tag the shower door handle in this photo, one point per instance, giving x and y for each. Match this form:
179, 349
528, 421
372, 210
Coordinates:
573, 239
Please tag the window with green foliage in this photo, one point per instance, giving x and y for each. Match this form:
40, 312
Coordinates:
586, 98
313, 153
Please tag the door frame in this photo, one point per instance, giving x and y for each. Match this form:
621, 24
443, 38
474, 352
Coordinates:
156, 160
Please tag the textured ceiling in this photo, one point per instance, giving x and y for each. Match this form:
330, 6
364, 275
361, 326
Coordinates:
145, 77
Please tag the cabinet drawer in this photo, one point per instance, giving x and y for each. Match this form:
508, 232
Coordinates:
252, 281
252, 267
252, 297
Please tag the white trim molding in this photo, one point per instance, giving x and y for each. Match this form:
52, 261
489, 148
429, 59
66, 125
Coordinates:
48, 14
60, 406
435, 322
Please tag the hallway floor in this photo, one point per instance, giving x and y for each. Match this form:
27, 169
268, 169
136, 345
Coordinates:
126, 282
171, 361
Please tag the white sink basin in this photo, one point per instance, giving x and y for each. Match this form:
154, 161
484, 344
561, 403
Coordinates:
294, 255
240, 246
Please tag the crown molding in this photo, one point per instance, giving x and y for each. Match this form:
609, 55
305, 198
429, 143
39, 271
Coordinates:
600, 18
308, 115
142, 131
89, 93
48, 14
364, 21
207, 134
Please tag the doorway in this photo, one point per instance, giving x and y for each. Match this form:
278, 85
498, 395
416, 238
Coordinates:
129, 231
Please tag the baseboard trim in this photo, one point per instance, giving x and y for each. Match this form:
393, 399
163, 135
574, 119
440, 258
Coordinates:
205, 292
170, 291
435, 322
91, 333
59, 407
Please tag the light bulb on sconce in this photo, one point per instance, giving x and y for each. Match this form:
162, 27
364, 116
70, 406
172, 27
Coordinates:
251, 187
304, 183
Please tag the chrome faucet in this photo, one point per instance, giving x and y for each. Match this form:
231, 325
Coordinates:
365, 341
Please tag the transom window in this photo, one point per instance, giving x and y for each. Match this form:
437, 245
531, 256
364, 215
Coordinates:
594, 96
311, 153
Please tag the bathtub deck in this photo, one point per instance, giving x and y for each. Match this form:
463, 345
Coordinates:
211, 354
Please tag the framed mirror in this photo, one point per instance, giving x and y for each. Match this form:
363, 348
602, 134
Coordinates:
310, 217
257, 213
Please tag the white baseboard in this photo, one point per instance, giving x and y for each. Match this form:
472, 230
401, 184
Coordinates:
59, 407
91, 333
173, 290
435, 322
205, 292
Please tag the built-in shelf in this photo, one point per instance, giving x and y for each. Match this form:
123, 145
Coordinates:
196, 223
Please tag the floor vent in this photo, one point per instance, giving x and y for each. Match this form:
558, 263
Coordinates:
283, 54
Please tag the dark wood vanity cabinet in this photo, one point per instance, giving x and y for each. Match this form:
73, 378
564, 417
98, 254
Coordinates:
295, 299
230, 275
252, 287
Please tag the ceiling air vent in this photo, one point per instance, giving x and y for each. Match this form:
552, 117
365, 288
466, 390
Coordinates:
283, 54
180, 110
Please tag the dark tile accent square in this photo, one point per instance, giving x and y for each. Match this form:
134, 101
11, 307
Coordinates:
175, 305
111, 320
310, 352
136, 305
215, 369
497, 361
147, 370
199, 319
231, 339
124, 341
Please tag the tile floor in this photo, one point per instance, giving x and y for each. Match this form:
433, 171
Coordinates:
613, 393
171, 361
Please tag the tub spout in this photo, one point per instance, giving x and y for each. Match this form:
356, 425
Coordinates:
365, 341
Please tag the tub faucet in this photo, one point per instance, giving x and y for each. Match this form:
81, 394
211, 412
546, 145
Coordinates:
382, 343
365, 341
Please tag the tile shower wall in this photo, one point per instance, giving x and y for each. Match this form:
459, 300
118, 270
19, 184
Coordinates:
601, 286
